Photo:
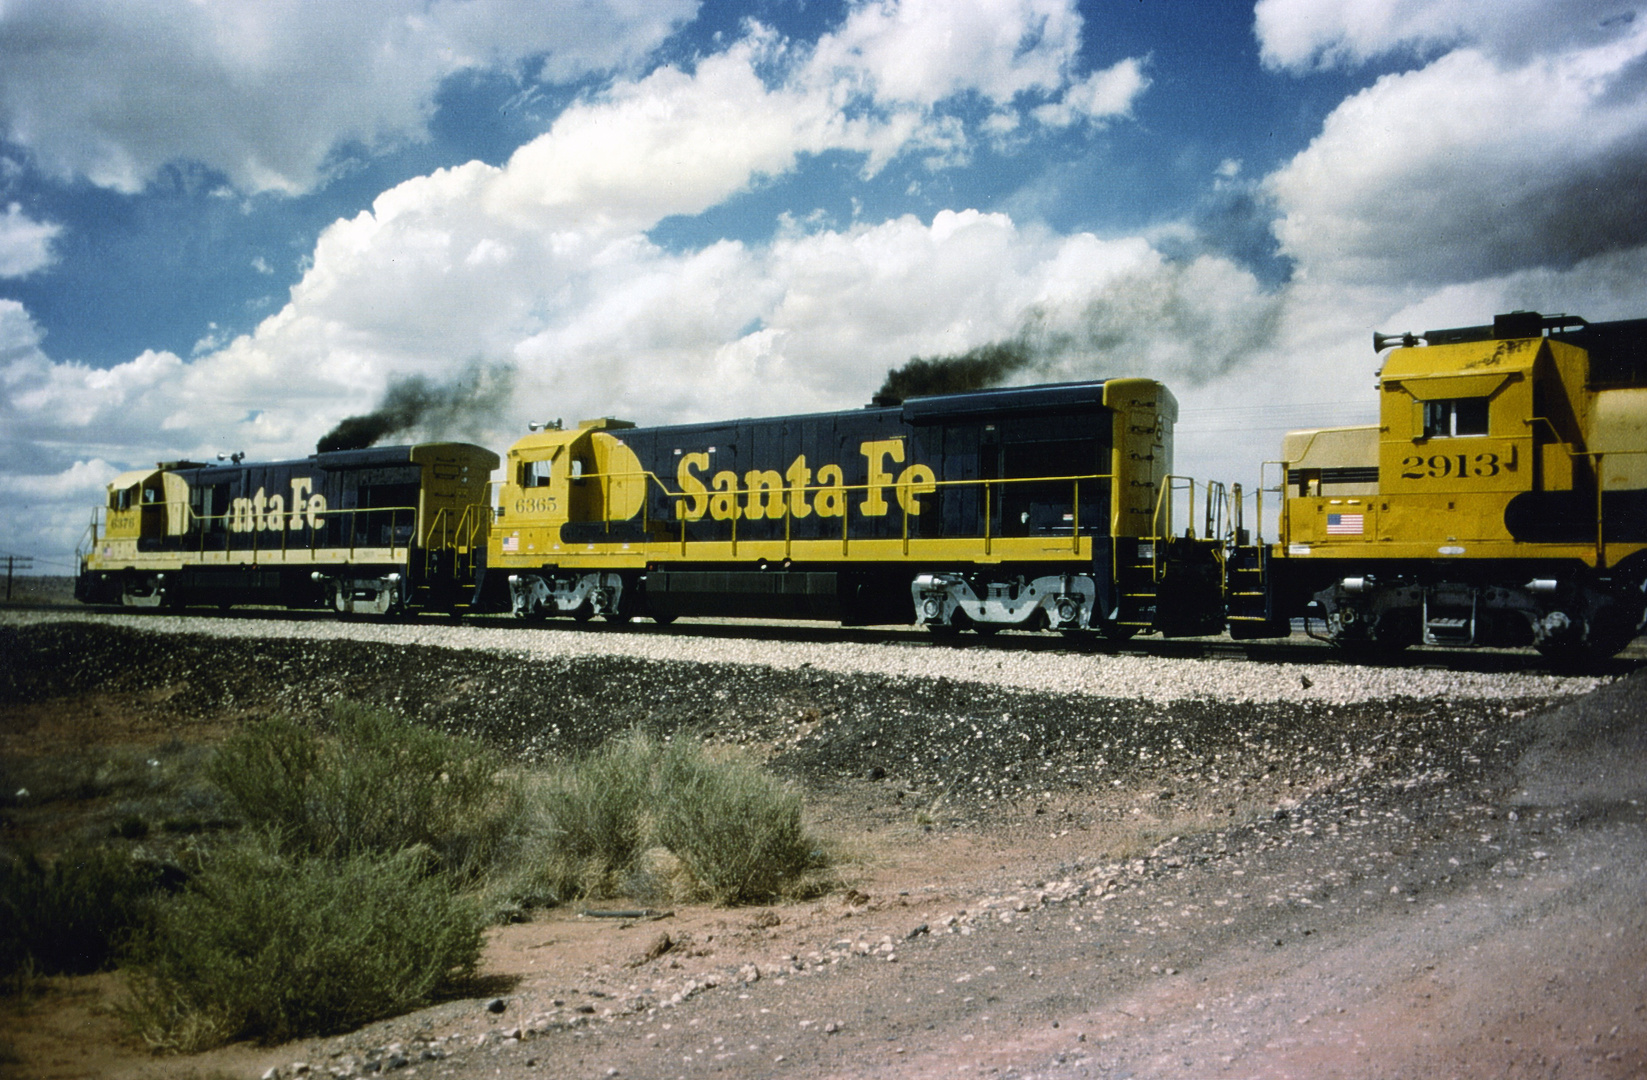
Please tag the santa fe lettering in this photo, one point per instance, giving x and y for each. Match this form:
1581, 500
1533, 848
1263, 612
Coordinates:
267, 513
768, 493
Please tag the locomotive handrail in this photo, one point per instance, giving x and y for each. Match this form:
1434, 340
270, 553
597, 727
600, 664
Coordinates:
1163, 505
193, 524
468, 526
785, 493
87, 544
1281, 521
905, 489
1217, 508
1601, 490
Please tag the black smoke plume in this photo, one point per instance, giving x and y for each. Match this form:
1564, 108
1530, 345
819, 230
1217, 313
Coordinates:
976, 369
464, 407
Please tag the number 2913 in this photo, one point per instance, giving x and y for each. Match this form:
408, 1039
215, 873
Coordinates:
1443, 466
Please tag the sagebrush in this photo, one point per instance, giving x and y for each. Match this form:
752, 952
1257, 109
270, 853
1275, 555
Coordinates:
732, 832
377, 782
73, 915
272, 945
736, 830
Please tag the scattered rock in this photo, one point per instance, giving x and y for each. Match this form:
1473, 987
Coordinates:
659, 945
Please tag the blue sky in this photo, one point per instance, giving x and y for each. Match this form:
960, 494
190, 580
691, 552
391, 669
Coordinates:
226, 226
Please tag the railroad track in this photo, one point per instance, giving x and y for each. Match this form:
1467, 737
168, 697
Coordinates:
1299, 649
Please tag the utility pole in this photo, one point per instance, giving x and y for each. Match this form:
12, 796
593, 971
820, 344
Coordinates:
13, 564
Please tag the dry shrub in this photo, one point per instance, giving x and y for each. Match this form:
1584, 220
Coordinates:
378, 783
272, 945
641, 816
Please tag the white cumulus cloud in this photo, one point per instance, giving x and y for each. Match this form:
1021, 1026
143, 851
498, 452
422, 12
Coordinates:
1475, 165
923, 51
1303, 35
1100, 96
267, 90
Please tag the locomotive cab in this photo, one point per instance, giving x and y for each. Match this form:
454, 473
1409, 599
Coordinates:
147, 504
1502, 499
566, 495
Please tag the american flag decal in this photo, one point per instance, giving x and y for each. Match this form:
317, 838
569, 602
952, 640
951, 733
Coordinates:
511, 543
1343, 524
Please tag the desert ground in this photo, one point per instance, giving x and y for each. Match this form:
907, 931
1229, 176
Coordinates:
1164, 860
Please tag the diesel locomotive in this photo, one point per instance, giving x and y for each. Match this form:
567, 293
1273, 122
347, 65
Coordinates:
1500, 500
389, 529
1034, 507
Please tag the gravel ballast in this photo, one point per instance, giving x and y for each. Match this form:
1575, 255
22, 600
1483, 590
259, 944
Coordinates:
961, 731
1114, 676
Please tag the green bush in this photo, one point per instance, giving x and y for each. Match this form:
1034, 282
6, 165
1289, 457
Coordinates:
379, 783
591, 819
734, 832
735, 828
72, 916
275, 945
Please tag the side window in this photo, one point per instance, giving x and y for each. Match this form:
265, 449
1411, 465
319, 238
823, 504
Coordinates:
1470, 416
120, 500
1455, 417
534, 474
208, 504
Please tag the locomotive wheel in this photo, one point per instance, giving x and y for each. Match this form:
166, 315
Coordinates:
943, 630
985, 629
1602, 645
1117, 632
618, 618
584, 612
664, 620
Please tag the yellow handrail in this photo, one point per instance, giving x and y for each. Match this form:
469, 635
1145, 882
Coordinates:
787, 494
197, 524
1601, 490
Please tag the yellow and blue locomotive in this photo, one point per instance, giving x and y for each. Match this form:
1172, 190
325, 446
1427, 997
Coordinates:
1032, 507
397, 528
1500, 500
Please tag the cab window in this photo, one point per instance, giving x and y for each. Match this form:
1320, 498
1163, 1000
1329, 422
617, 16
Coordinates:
1455, 417
534, 474
120, 500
